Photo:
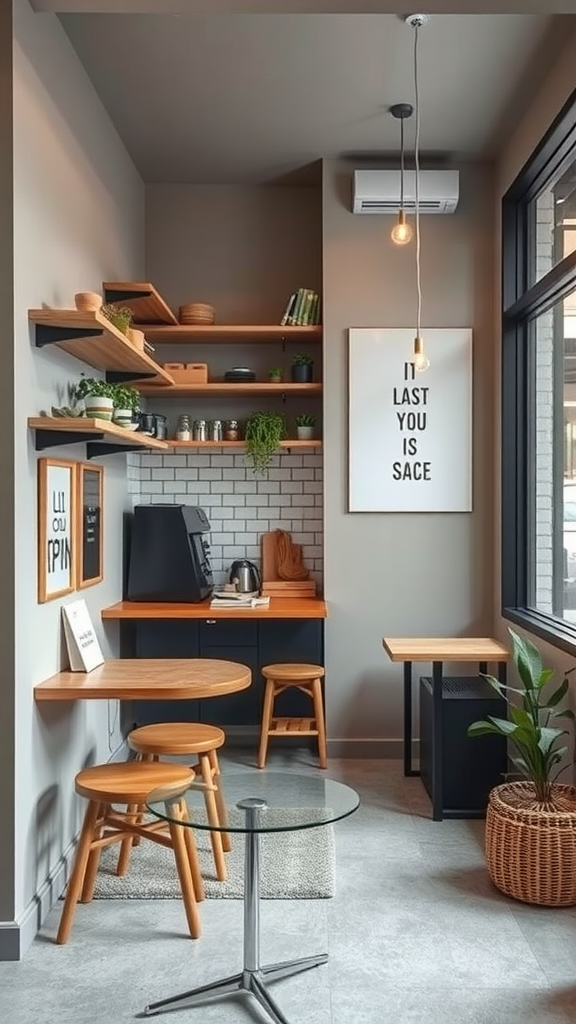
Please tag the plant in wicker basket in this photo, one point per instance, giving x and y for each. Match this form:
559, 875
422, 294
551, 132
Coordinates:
531, 825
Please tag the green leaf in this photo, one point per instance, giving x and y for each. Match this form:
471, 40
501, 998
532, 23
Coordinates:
548, 737
527, 659
481, 729
521, 717
558, 694
567, 713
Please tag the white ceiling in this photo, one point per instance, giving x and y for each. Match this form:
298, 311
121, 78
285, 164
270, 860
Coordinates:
256, 97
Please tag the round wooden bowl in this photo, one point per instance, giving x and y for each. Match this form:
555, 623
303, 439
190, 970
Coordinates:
85, 301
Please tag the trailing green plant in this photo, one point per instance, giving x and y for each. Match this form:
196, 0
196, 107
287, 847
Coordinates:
532, 709
119, 316
305, 419
302, 360
91, 386
125, 397
263, 433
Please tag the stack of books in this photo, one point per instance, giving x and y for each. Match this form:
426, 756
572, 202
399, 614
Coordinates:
302, 309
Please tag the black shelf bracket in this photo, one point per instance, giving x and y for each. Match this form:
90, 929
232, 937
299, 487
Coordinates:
52, 334
55, 438
123, 376
94, 449
117, 295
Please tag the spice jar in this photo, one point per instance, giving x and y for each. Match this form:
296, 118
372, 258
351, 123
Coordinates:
184, 430
199, 430
231, 432
216, 430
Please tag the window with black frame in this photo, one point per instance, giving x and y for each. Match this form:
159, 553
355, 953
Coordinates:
539, 388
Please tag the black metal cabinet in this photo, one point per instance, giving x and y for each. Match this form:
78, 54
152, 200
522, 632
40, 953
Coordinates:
291, 640
231, 640
167, 638
251, 642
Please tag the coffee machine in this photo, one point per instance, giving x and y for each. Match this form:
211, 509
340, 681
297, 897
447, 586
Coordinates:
169, 554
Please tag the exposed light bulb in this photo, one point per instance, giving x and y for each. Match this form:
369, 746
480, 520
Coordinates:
401, 233
420, 360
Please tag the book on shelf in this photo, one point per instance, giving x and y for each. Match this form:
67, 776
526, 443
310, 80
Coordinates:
302, 309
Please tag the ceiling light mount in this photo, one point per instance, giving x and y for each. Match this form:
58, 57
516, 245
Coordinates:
401, 110
401, 232
417, 20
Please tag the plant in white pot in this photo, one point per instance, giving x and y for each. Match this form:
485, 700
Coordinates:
98, 397
126, 406
531, 824
305, 424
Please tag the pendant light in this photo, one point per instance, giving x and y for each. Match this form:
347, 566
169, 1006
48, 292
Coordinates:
419, 358
401, 232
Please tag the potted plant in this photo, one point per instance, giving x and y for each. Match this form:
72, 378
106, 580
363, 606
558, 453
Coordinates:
119, 316
531, 824
126, 403
98, 397
301, 369
305, 424
275, 375
264, 431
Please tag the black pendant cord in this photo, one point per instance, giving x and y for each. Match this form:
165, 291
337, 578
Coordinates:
401, 163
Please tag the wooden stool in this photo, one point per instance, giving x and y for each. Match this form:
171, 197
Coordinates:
130, 783
308, 679
174, 738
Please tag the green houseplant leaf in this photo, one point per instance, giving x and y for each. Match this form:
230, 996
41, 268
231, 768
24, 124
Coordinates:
531, 711
264, 431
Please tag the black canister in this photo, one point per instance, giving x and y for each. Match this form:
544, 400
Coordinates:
161, 426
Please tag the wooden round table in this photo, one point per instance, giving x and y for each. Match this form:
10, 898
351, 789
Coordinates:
148, 679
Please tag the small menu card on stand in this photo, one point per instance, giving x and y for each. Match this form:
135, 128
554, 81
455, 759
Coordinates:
81, 640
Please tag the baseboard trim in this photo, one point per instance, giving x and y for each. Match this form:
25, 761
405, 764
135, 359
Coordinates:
17, 936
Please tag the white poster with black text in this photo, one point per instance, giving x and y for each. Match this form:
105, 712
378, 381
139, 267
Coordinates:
83, 648
410, 432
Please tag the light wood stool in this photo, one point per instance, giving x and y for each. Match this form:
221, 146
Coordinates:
130, 783
307, 678
174, 738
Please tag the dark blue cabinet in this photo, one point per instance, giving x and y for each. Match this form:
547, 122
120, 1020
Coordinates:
252, 642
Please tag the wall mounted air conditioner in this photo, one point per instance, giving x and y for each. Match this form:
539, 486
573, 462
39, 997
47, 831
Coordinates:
379, 191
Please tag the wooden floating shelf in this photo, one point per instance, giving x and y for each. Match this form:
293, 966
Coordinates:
56, 430
239, 444
90, 337
222, 388
148, 307
188, 334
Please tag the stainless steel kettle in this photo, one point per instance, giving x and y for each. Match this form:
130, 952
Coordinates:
246, 576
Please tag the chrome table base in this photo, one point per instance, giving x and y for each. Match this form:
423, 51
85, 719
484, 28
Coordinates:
253, 977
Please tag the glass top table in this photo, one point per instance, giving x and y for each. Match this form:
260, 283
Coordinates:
269, 802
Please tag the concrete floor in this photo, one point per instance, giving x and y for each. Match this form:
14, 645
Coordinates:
416, 935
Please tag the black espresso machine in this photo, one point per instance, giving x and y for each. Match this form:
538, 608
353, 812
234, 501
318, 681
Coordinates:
169, 554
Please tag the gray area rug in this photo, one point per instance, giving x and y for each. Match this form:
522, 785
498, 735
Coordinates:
294, 865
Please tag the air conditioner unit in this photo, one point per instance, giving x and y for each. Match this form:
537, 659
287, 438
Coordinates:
379, 191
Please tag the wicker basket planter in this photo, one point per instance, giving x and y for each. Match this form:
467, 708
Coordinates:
531, 849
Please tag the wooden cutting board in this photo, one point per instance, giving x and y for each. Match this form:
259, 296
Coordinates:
269, 557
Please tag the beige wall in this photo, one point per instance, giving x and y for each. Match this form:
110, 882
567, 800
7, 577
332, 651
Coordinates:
78, 219
243, 249
531, 127
410, 574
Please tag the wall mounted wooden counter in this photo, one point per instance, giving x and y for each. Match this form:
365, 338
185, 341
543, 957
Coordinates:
148, 679
279, 608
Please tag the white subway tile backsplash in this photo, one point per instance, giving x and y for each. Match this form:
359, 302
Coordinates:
240, 504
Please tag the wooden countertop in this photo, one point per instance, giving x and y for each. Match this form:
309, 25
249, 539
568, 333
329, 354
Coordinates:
279, 608
148, 679
460, 648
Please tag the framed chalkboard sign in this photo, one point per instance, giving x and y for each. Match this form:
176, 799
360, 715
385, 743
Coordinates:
89, 515
56, 532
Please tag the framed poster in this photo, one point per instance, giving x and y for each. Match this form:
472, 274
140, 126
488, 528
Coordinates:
410, 432
89, 516
56, 540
